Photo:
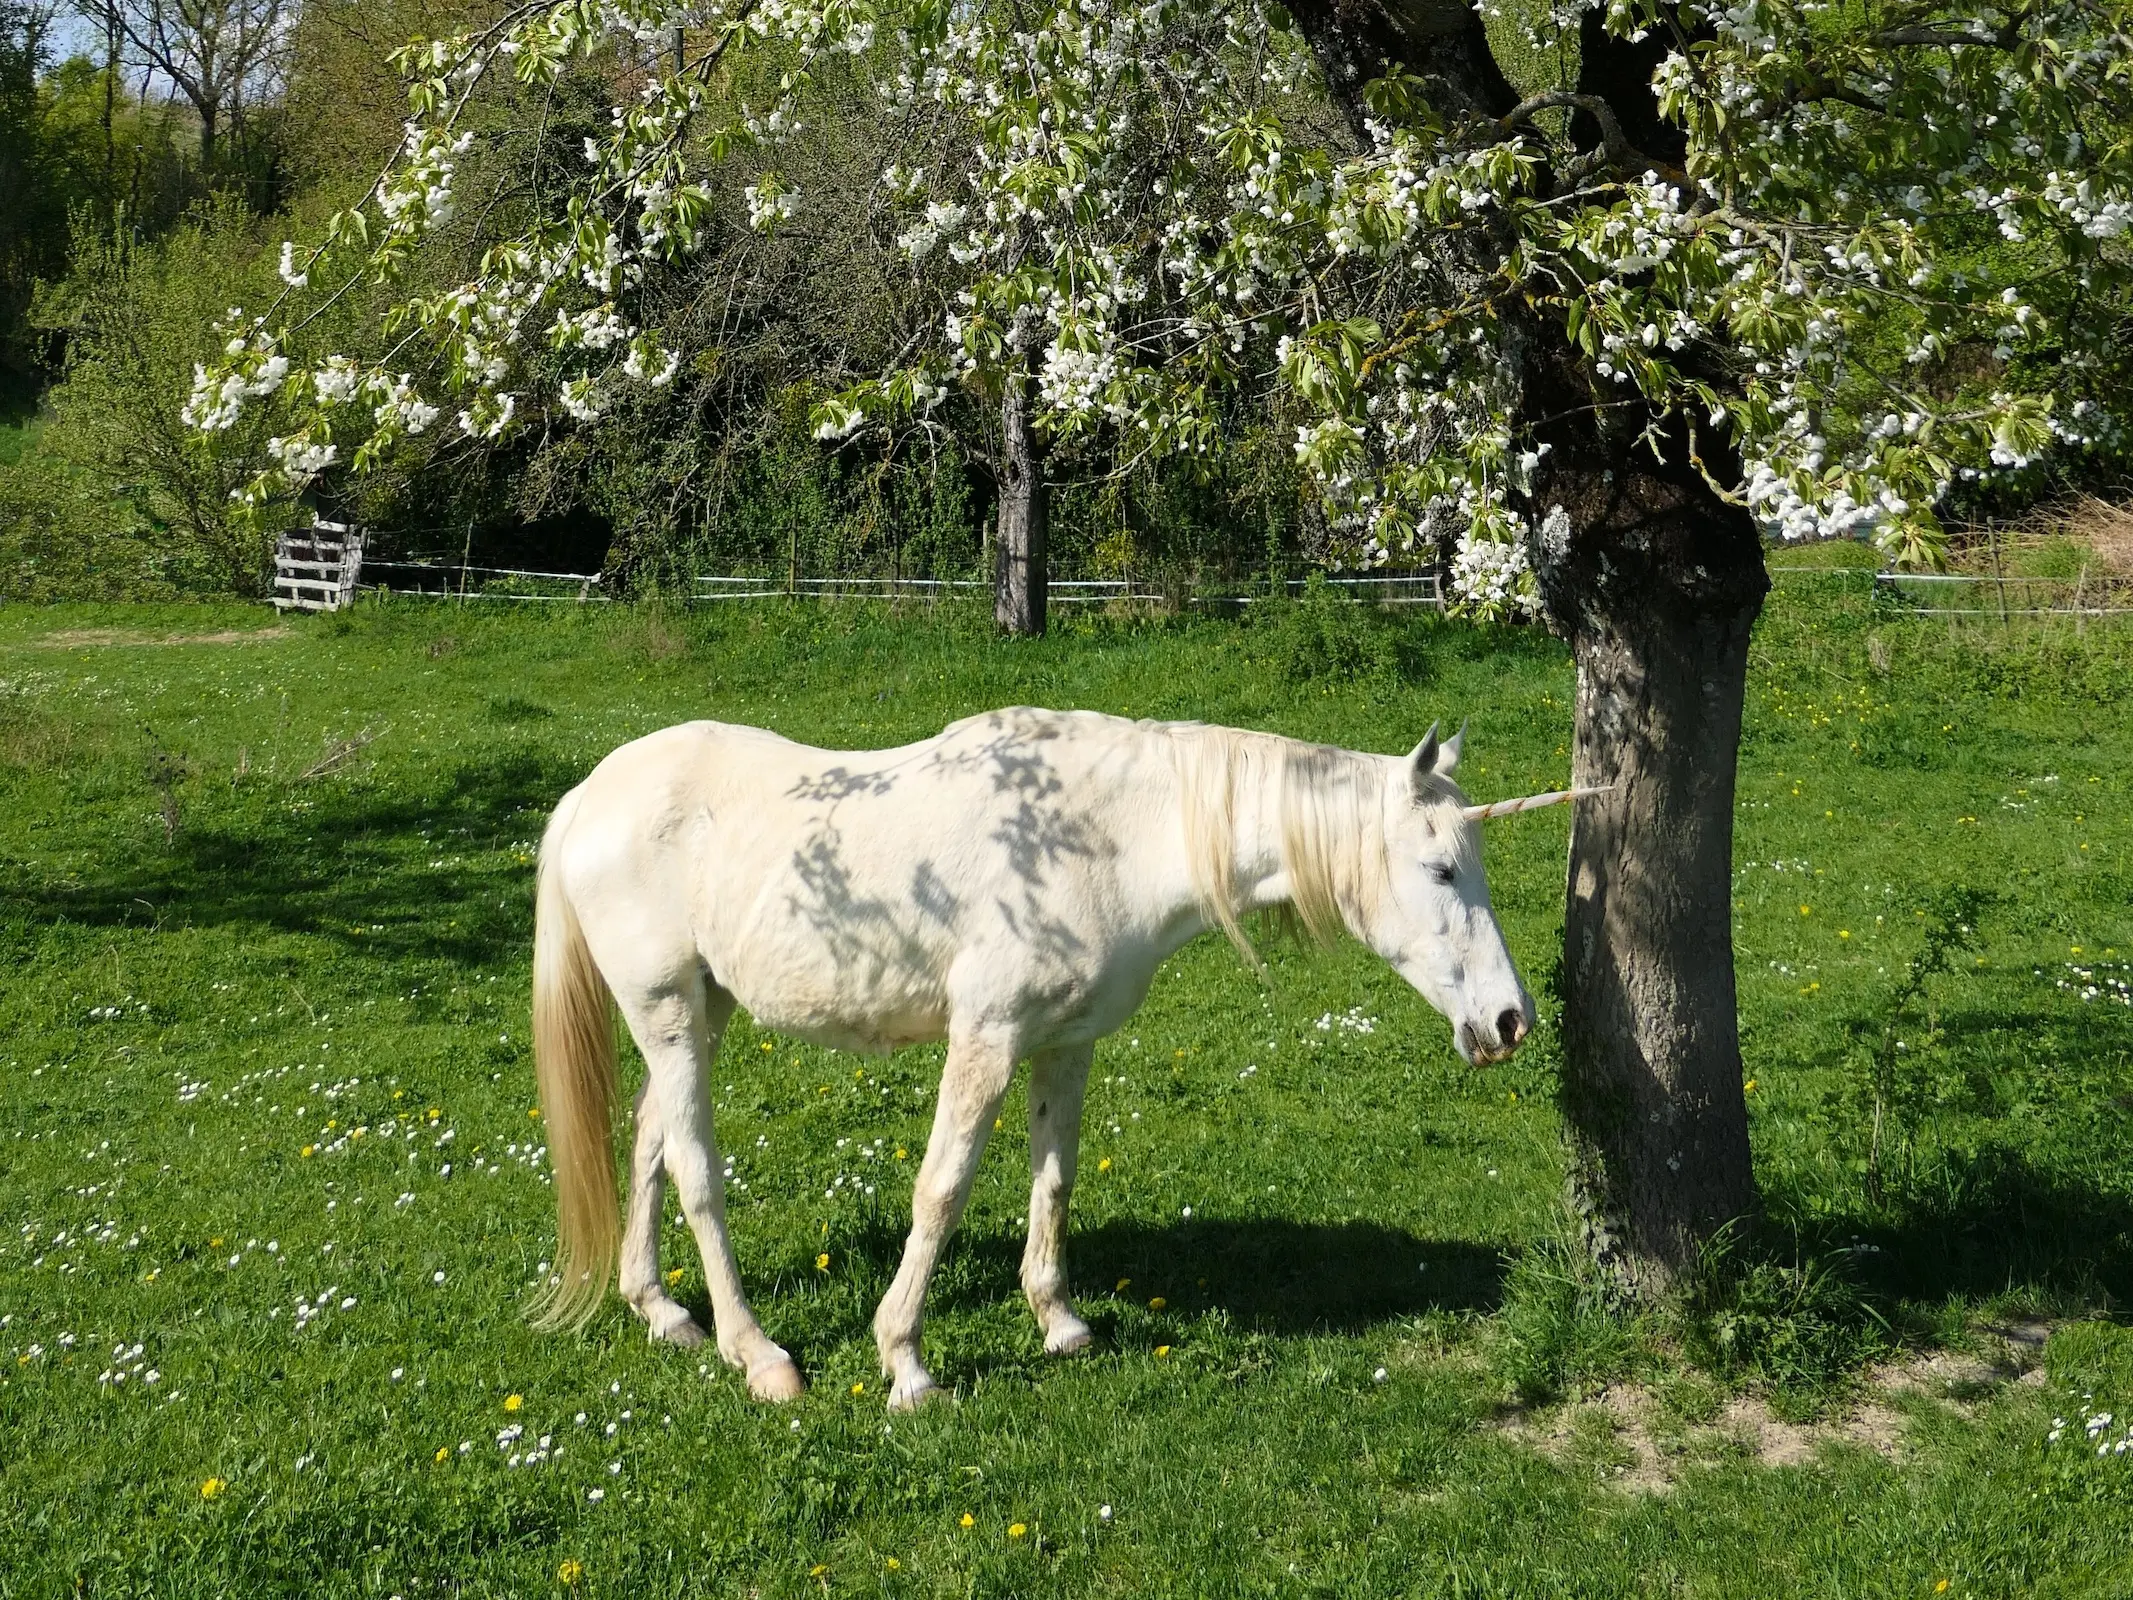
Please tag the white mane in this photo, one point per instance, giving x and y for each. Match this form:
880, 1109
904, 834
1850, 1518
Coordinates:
1331, 810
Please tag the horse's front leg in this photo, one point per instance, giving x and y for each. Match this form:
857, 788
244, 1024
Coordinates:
972, 1085
1057, 1079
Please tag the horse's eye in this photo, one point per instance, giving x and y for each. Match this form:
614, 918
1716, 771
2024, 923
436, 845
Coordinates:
1441, 874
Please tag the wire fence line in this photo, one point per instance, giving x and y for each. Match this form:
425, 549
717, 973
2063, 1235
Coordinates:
1971, 594
458, 581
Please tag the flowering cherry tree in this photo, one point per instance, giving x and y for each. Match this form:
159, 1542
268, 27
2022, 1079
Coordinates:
1777, 264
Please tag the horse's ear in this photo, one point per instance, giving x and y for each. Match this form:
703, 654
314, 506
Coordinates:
1448, 752
1422, 763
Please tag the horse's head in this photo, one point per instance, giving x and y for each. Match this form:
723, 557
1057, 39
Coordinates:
1434, 922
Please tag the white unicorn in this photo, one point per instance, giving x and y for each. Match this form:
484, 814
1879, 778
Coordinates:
1010, 885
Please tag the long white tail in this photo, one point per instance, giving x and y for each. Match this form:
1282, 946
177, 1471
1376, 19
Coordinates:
574, 1059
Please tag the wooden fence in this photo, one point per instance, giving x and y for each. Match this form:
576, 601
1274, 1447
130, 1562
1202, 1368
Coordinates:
315, 568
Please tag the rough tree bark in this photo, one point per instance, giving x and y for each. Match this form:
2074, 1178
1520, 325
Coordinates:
1655, 580
1020, 560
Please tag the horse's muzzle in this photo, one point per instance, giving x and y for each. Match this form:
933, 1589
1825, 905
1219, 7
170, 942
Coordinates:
1483, 1050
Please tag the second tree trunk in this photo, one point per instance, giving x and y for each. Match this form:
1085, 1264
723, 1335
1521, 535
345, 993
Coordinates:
1019, 559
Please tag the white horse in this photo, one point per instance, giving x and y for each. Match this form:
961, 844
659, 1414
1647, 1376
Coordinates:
1010, 885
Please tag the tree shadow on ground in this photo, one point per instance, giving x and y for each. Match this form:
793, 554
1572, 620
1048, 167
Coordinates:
1995, 1222
325, 870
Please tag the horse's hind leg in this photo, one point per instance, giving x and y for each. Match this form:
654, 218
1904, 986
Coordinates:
641, 1285
677, 1026
1057, 1079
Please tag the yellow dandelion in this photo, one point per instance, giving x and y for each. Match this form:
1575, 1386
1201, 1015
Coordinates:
1162, 1352
215, 1243
822, 1262
1104, 1165
444, 1454
1016, 1530
766, 1044
535, 1113
895, 1565
1941, 1587
997, 1124
859, 1388
967, 1521
210, 1487
901, 1153
1123, 1285
308, 1150
1157, 1303
1748, 1087
1844, 933
513, 1401
675, 1275
817, 1569
1807, 911
399, 1094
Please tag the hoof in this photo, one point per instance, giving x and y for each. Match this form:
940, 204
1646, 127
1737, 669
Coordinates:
676, 1326
776, 1382
1069, 1334
910, 1394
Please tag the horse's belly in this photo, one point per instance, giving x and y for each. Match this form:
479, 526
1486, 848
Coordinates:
850, 1004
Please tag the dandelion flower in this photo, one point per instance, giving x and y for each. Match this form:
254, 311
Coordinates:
1157, 1303
895, 1565
570, 1572
210, 1487
1123, 1285
1807, 911
1016, 1530
675, 1276
1162, 1352
309, 1150
967, 1521
1748, 1087
822, 1262
513, 1401
1104, 1165
859, 1388
817, 1570
444, 1454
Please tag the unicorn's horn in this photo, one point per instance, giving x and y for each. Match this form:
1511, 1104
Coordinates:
1531, 802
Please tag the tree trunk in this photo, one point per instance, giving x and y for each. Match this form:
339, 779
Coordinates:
1655, 582
1020, 570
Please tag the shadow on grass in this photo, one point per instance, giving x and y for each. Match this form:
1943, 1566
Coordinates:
1266, 1275
1985, 1223
325, 870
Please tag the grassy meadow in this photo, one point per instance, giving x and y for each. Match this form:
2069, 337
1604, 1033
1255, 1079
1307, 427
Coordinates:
271, 1188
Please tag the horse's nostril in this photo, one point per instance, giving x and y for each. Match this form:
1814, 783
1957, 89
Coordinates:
1511, 1026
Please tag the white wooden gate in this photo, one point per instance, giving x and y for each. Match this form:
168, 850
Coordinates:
315, 568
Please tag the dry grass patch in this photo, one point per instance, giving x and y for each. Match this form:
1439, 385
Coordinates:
1641, 1437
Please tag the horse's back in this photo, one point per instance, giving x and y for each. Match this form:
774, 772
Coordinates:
849, 895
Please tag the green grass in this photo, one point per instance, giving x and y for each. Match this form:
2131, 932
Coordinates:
216, 964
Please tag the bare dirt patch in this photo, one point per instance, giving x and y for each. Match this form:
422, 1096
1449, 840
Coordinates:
1640, 1440
87, 638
